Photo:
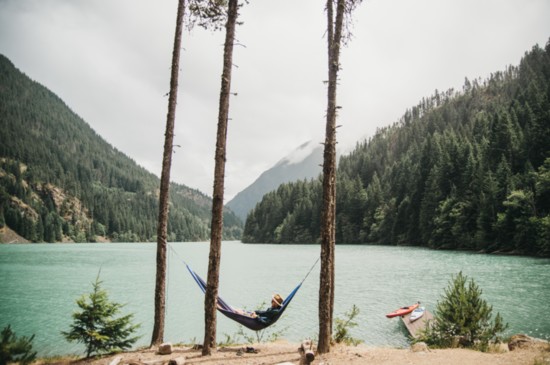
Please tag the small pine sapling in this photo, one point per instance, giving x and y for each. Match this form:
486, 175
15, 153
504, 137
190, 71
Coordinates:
343, 325
463, 318
13, 349
96, 326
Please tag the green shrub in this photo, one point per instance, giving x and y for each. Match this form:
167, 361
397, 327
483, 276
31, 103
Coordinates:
270, 334
463, 318
13, 349
341, 333
96, 327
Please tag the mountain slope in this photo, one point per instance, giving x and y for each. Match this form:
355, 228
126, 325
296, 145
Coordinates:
59, 180
463, 170
303, 163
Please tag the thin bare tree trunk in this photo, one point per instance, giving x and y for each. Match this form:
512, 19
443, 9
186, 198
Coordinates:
160, 284
328, 216
212, 282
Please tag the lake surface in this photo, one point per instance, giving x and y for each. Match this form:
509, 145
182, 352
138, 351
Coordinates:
39, 285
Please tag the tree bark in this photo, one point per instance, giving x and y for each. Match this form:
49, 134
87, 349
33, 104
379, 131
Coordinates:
328, 216
160, 284
212, 283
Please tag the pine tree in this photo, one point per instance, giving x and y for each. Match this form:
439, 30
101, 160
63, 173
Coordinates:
214, 257
162, 228
336, 37
96, 325
463, 316
13, 349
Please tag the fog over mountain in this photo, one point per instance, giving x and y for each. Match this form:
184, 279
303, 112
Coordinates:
303, 163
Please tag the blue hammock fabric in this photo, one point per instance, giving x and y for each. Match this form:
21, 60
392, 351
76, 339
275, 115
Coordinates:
228, 311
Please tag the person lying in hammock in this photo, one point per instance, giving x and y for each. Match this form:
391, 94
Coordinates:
267, 316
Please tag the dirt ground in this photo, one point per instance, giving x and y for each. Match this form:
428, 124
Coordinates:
9, 236
287, 353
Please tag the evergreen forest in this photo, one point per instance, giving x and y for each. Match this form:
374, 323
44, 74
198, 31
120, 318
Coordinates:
463, 170
60, 181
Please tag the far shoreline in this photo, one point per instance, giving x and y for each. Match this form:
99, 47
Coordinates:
10, 237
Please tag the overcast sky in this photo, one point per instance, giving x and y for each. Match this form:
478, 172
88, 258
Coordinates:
109, 60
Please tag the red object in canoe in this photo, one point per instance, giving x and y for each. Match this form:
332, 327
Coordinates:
402, 311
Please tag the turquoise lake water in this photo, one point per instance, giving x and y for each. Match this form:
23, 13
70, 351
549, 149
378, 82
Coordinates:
39, 285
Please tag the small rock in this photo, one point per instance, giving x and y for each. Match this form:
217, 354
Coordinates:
165, 349
180, 360
519, 342
116, 360
499, 348
419, 347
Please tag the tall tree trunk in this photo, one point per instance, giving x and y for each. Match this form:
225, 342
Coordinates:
210, 301
160, 284
328, 216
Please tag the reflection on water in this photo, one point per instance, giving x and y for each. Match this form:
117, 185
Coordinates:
40, 284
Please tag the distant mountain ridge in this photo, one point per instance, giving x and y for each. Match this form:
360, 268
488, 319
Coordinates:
60, 181
303, 163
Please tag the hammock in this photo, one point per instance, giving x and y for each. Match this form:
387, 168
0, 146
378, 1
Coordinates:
249, 322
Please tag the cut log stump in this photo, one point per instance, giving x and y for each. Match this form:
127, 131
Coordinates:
180, 360
307, 353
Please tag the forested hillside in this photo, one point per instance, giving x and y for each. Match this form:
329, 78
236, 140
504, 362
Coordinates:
466, 170
59, 180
